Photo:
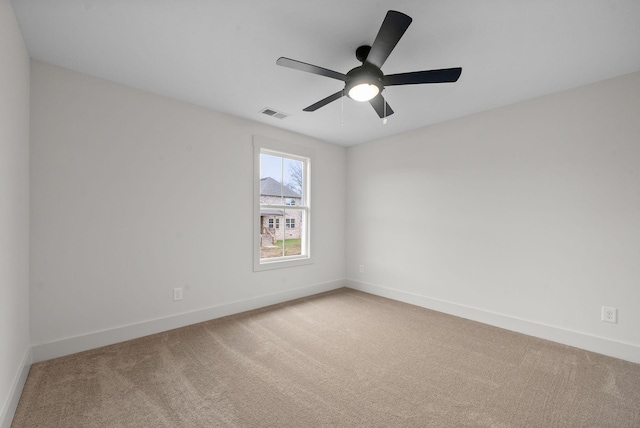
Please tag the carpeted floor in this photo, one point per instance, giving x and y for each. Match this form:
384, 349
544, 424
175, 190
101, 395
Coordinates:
339, 359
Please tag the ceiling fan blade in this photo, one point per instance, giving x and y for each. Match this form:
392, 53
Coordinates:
428, 76
309, 68
378, 103
392, 29
323, 102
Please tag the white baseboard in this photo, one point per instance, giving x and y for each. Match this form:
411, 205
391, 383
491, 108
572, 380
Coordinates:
9, 407
71, 345
600, 345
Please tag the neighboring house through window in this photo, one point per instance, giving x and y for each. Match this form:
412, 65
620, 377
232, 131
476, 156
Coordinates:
272, 193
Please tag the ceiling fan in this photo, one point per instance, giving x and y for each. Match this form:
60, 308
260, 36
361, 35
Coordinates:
366, 82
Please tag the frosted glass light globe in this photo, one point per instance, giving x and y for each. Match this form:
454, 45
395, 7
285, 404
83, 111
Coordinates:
363, 92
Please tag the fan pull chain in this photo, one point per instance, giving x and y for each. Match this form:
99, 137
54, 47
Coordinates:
342, 108
384, 119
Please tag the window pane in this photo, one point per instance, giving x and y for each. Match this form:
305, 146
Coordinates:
295, 234
271, 179
293, 177
270, 238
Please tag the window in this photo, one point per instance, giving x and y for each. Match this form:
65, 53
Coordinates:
272, 221
281, 192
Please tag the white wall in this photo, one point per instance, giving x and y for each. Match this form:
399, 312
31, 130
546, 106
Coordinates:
14, 213
134, 194
526, 217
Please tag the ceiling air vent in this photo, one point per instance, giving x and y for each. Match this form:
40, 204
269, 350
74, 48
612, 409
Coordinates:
274, 113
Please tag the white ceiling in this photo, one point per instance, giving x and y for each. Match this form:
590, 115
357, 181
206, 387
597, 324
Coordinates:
222, 54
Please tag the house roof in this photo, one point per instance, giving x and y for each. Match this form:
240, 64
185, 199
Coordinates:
271, 187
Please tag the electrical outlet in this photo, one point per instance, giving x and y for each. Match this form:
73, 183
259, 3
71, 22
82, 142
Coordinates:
361, 269
609, 314
177, 293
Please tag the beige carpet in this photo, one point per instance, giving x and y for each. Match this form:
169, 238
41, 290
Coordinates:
339, 359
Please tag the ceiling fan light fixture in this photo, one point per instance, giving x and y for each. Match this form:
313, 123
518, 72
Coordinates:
364, 83
364, 92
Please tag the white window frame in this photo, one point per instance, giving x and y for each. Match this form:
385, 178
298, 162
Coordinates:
292, 151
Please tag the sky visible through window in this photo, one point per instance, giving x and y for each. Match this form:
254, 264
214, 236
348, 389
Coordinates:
279, 168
